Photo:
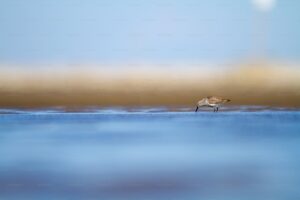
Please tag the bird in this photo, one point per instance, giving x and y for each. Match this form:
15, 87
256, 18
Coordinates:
212, 101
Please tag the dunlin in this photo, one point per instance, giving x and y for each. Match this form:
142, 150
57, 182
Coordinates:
211, 101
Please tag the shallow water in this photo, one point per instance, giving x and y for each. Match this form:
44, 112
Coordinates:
150, 153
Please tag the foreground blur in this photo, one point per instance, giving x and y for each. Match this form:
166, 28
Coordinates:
150, 154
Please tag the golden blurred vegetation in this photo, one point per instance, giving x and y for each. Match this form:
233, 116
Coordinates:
148, 85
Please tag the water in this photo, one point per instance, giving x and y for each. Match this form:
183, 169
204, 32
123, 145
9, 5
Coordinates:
152, 153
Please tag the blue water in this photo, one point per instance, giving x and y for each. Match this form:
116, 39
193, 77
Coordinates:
151, 153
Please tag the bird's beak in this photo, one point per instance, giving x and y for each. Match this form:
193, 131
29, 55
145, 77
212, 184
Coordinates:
196, 109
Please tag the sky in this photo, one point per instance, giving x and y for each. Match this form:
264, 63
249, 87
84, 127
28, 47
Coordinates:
145, 30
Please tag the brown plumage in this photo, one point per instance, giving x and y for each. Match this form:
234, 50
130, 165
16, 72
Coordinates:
212, 101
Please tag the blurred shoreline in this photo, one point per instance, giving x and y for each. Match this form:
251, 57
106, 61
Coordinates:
276, 85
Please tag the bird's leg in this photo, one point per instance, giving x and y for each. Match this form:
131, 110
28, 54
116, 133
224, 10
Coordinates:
217, 109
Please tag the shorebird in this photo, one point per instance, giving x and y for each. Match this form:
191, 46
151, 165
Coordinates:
211, 101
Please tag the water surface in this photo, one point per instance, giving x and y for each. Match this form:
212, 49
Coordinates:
150, 153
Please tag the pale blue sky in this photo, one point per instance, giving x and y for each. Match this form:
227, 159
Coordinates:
142, 30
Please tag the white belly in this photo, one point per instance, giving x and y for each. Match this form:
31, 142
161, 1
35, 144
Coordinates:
211, 104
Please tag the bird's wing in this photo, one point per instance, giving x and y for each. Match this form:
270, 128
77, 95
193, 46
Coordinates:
215, 100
